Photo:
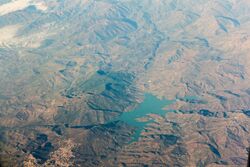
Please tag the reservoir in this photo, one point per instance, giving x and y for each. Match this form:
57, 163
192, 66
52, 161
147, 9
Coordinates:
150, 105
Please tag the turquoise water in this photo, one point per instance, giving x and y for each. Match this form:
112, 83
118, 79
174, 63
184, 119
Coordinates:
150, 105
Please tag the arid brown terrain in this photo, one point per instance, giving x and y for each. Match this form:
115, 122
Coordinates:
70, 68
